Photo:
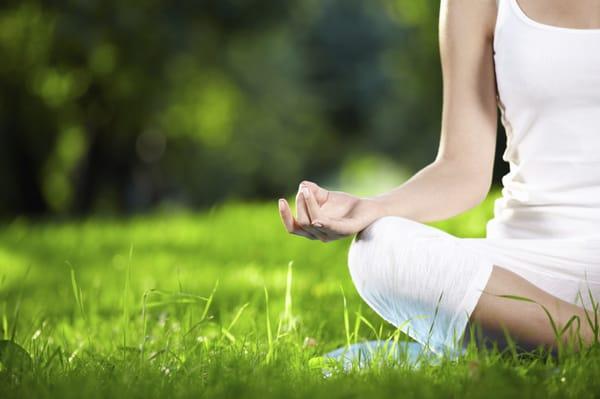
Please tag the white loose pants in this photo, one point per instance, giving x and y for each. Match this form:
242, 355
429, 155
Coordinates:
427, 282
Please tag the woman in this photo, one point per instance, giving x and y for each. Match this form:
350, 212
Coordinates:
539, 62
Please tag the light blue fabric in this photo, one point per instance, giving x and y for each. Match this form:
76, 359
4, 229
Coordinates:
368, 353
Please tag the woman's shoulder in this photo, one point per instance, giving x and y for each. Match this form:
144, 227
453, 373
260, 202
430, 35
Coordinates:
478, 15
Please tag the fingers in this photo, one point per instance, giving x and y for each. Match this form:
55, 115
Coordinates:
309, 221
312, 208
290, 223
314, 212
303, 216
316, 217
319, 193
301, 212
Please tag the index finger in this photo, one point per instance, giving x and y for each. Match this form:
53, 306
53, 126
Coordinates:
289, 222
314, 211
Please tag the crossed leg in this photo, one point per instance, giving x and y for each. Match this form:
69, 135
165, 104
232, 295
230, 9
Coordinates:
408, 271
527, 322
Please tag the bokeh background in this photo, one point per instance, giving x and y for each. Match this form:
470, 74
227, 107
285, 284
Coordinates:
129, 106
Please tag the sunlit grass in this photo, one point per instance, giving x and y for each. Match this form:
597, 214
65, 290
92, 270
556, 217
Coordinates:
224, 304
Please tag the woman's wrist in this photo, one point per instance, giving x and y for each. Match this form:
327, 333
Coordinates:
373, 207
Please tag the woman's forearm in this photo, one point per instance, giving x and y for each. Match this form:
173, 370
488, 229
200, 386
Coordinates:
439, 191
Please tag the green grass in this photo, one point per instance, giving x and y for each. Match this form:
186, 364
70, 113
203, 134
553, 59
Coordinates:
221, 304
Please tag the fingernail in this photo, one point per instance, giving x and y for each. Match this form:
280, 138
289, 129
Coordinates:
305, 191
317, 224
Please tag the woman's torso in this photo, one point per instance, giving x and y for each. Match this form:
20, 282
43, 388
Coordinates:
548, 80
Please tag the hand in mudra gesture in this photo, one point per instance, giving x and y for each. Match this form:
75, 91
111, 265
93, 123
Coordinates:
326, 215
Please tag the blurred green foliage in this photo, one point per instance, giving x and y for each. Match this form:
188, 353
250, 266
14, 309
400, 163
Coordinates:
119, 106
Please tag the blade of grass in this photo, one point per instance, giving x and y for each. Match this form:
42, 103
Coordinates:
346, 319
269, 332
77, 292
125, 297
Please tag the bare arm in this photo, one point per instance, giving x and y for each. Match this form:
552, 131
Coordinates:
460, 176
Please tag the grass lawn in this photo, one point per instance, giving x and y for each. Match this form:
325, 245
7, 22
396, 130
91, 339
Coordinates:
194, 304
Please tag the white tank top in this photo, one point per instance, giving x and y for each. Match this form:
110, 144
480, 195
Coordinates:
548, 80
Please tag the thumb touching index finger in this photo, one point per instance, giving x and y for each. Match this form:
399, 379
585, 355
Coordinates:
314, 211
318, 192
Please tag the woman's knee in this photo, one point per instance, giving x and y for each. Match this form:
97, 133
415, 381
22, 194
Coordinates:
385, 247
410, 272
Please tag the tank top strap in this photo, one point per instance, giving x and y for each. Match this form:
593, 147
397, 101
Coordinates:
501, 7
502, 14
